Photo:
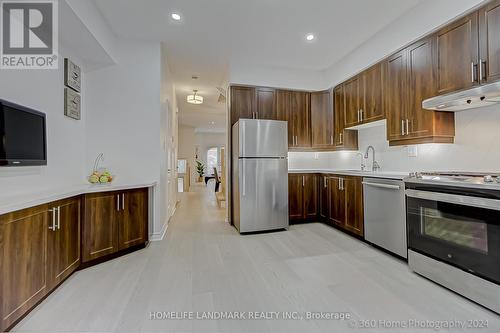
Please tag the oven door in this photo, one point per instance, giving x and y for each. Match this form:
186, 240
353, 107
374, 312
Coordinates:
461, 230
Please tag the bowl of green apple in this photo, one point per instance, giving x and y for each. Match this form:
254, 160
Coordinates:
100, 177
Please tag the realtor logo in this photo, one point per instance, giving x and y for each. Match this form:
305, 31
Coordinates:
29, 34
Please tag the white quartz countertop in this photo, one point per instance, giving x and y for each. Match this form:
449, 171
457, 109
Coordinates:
379, 174
18, 201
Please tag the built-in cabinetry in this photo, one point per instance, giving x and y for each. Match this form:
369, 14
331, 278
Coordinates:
344, 139
40, 246
294, 107
322, 120
252, 103
113, 221
334, 199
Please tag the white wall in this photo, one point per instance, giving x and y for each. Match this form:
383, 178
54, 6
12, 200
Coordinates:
43, 90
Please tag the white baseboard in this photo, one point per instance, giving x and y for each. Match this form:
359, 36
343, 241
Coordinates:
158, 236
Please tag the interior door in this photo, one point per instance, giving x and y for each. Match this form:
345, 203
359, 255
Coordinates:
264, 194
132, 227
295, 196
458, 53
337, 202
100, 234
373, 89
352, 101
489, 41
266, 103
396, 92
322, 120
422, 85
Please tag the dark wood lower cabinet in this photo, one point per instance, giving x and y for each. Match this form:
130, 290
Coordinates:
303, 194
41, 246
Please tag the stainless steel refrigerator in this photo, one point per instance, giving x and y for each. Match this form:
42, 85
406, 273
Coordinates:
260, 175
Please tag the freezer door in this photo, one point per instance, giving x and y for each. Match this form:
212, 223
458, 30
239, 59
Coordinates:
263, 194
261, 138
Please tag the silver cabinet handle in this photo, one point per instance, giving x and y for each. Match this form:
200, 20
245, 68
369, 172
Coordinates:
303, 181
402, 127
387, 186
331, 140
361, 114
472, 71
480, 69
296, 140
118, 202
407, 127
324, 182
340, 135
358, 117
342, 181
123, 201
59, 217
53, 227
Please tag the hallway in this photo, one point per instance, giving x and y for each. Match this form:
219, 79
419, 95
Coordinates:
204, 265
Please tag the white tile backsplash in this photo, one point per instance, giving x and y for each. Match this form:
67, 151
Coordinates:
476, 148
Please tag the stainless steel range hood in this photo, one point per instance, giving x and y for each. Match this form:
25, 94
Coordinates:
477, 97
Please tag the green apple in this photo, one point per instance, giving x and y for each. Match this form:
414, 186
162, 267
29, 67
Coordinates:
104, 179
94, 179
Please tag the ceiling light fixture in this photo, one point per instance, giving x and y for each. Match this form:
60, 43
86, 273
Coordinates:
195, 98
310, 37
176, 16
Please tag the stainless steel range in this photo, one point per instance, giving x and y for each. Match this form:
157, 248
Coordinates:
453, 222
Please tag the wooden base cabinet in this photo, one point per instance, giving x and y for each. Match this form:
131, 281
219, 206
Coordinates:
303, 196
23, 262
114, 221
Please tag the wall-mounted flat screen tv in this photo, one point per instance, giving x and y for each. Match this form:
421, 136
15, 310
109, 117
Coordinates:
23, 136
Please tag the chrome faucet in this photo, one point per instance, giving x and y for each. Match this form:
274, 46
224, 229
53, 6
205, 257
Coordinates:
363, 166
375, 165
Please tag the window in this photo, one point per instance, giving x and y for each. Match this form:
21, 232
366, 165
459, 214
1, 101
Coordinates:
212, 160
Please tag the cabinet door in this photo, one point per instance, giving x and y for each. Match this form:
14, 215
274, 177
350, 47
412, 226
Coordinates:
322, 120
353, 189
337, 202
323, 198
457, 52
344, 139
422, 85
396, 92
353, 102
489, 39
284, 113
301, 114
242, 103
266, 103
64, 241
23, 256
373, 109
310, 183
102, 210
295, 197
133, 225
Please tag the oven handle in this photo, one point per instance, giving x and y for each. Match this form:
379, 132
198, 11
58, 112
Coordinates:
455, 199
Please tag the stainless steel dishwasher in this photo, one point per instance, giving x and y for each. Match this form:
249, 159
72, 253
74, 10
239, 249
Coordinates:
385, 214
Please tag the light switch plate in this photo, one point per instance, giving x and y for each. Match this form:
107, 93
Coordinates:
412, 151
316, 156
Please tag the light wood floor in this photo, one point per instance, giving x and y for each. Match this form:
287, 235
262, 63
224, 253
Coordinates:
204, 265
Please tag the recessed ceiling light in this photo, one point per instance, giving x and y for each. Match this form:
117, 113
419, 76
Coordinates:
212, 122
310, 37
176, 16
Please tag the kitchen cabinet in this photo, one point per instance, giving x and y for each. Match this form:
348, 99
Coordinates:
324, 198
63, 240
23, 262
303, 196
372, 108
411, 78
294, 107
489, 42
346, 203
242, 103
344, 139
322, 120
353, 102
265, 103
457, 55
114, 221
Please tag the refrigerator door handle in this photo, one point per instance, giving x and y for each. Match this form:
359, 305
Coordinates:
242, 138
243, 181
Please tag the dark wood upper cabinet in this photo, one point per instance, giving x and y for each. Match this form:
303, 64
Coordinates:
300, 109
372, 108
283, 100
458, 55
396, 95
266, 103
353, 101
23, 258
295, 197
132, 225
344, 139
322, 120
99, 229
242, 103
63, 240
489, 42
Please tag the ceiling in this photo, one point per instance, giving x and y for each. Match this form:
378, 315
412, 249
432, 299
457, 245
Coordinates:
213, 34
